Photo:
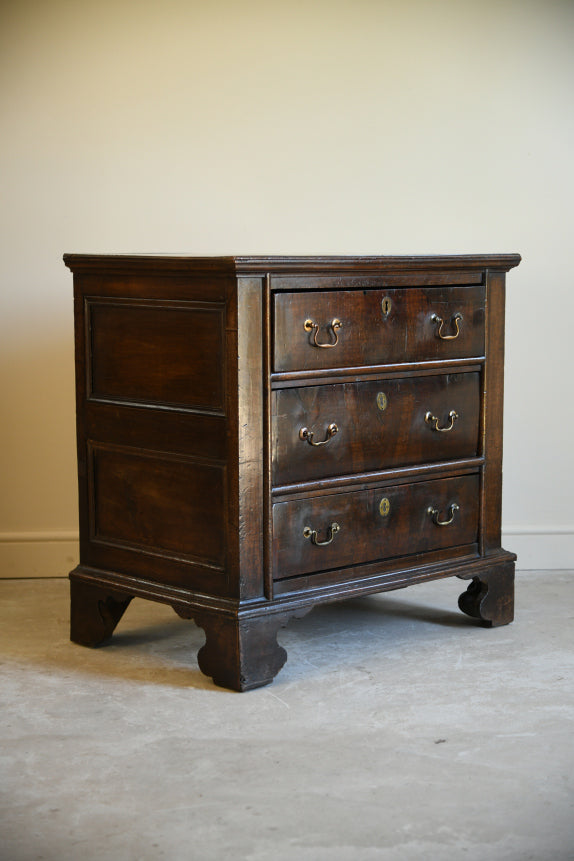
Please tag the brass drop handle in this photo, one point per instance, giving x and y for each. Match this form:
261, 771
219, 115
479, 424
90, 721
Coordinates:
435, 514
334, 325
433, 422
307, 436
454, 322
312, 534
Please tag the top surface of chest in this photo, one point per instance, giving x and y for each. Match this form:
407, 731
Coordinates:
293, 265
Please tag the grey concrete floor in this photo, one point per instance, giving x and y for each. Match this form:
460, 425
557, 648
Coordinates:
398, 729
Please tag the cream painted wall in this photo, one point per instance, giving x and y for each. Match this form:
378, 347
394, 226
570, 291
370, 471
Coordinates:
283, 127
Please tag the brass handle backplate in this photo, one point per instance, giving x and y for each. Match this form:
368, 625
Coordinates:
435, 514
307, 436
334, 325
433, 422
312, 534
454, 322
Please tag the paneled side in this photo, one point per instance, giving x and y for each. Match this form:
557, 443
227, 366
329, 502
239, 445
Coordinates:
158, 353
153, 428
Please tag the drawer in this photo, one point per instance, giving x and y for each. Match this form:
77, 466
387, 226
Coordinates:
377, 523
351, 328
321, 431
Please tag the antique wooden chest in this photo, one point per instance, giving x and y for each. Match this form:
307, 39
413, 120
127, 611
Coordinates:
257, 435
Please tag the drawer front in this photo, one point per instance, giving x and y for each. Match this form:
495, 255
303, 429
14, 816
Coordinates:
350, 328
322, 431
368, 525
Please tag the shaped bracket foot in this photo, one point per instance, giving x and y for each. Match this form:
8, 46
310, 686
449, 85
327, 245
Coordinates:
94, 613
490, 596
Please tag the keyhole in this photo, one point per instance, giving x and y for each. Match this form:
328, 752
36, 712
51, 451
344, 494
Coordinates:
386, 306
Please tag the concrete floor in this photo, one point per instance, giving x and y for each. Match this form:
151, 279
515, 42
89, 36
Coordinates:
398, 729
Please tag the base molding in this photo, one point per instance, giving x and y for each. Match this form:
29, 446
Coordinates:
38, 554
541, 549
187, 603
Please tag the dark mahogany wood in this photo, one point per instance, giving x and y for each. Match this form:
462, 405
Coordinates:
492, 414
490, 596
156, 355
194, 379
95, 612
136, 495
379, 523
370, 336
430, 267
379, 425
241, 653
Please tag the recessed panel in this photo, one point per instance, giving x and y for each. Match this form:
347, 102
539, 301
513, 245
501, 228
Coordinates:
162, 504
165, 354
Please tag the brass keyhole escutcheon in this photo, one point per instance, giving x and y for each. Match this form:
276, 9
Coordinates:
384, 506
382, 401
386, 306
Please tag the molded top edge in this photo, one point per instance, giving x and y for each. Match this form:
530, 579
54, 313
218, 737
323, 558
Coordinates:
260, 264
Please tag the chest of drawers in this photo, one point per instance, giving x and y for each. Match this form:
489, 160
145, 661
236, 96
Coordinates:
257, 435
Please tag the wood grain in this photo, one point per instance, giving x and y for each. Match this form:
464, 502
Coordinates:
156, 354
369, 437
365, 534
368, 336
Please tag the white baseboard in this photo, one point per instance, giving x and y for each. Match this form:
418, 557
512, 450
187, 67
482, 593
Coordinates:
38, 554
54, 554
540, 548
